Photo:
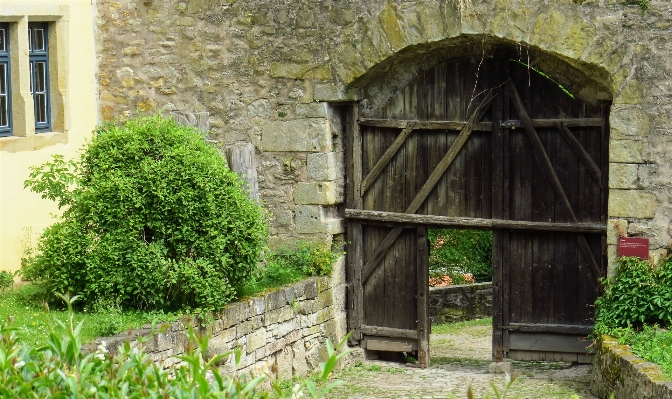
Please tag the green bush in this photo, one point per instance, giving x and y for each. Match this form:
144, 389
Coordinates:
636, 296
458, 252
6, 279
59, 370
153, 219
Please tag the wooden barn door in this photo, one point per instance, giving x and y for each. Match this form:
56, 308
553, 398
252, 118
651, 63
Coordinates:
488, 144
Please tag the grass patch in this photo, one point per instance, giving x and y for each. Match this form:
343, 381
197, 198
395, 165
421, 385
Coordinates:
456, 328
276, 275
32, 321
651, 344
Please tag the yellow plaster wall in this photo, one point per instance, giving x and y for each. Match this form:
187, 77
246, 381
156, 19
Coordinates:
23, 213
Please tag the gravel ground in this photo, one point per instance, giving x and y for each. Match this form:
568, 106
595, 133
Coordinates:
460, 358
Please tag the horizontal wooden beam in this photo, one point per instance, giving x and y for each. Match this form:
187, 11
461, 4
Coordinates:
481, 126
473, 223
547, 342
388, 332
550, 328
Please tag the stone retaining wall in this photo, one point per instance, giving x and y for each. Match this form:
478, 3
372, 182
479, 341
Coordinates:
286, 328
617, 370
460, 302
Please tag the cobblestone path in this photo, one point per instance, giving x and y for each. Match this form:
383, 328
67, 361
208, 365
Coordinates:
460, 358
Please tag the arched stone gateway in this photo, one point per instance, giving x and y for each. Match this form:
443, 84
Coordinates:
482, 140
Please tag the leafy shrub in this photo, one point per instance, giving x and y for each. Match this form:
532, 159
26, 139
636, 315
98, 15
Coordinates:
637, 295
60, 370
154, 219
6, 279
454, 253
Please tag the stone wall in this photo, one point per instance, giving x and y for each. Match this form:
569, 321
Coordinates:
286, 328
617, 370
279, 75
460, 302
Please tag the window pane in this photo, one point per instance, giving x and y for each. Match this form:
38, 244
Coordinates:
2, 40
3, 79
38, 40
3, 111
41, 108
40, 76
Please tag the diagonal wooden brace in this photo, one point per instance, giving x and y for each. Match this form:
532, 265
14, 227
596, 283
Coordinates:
545, 164
427, 188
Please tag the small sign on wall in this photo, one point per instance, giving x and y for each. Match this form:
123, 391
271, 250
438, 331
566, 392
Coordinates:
630, 246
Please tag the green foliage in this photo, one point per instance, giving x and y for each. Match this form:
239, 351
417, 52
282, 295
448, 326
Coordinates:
153, 219
456, 252
637, 295
6, 279
60, 370
651, 344
291, 264
31, 321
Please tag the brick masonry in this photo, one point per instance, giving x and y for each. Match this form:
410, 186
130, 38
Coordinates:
286, 329
617, 370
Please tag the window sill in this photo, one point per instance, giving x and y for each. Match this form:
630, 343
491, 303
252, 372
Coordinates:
34, 142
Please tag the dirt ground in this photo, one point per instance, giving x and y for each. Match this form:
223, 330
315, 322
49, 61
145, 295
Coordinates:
460, 357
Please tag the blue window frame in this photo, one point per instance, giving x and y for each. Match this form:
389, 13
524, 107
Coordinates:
5, 94
38, 50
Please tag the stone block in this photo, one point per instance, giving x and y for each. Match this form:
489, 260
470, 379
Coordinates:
311, 289
324, 166
218, 346
335, 93
632, 203
278, 315
312, 110
284, 363
325, 299
299, 366
309, 135
274, 300
311, 219
616, 228
323, 283
320, 193
285, 328
623, 175
256, 340
259, 109
256, 306
338, 271
612, 251
625, 151
626, 121
234, 314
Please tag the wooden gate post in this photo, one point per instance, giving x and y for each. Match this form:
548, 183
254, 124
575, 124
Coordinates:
423, 297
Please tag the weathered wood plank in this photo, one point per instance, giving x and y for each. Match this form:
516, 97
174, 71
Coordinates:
548, 342
241, 159
422, 266
388, 332
354, 230
389, 345
478, 127
440, 169
476, 223
383, 161
550, 328
546, 166
580, 152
